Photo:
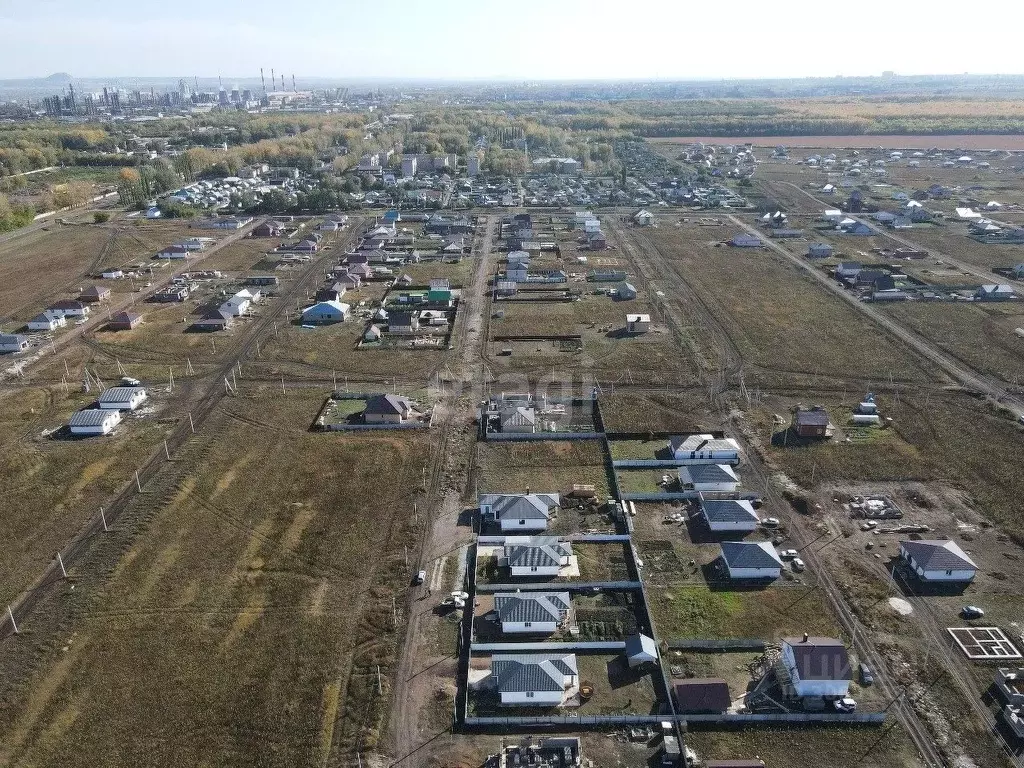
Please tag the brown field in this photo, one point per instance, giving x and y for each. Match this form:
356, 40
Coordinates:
547, 466
773, 314
53, 487
863, 141
248, 620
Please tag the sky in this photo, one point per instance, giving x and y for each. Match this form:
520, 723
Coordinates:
517, 40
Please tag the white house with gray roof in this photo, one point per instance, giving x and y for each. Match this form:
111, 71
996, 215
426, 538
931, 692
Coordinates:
538, 613
704, 449
708, 477
728, 515
938, 560
535, 680
536, 555
94, 421
122, 398
751, 560
519, 511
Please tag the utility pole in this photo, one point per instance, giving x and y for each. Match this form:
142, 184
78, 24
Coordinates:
14, 624
103, 519
63, 570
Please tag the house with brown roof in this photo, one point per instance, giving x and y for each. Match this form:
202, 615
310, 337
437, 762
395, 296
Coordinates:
94, 294
123, 321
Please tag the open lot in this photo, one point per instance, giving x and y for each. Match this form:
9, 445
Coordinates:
548, 466
259, 587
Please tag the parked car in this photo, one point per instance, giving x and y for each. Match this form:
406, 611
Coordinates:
972, 612
845, 704
798, 565
771, 522
420, 578
788, 554
866, 677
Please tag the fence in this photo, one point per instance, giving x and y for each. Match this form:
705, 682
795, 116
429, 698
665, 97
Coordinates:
731, 644
568, 586
600, 721
526, 436
582, 645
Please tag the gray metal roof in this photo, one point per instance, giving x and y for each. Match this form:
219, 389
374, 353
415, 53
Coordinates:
641, 645
533, 506
520, 673
750, 554
729, 511
93, 417
542, 555
820, 658
813, 417
531, 606
701, 443
707, 473
938, 555
119, 394
388, 405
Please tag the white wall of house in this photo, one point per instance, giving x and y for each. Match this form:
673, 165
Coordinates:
383, 418
523, 525
953, 575
533, 627
754, 573
732, 525
106, 427
533, 698
535, 570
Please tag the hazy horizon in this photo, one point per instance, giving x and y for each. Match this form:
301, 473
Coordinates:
462, 41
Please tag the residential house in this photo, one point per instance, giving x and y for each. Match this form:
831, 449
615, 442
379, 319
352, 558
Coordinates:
535, 680
625, 292
47, 321
123, 321
992, 292
636, 324
174, 252
848, 269
69, 308
708, 477
334, 292
94, 421
704, 449
606, 276
1010, 684
263, 280
268, 229
938, 560
643, 218
729, 515
746, 241
122, 398
171, 294
857, 228
237, 305
217, 320
94, 294
596, 241
702, 695
518, 419
811, 422
13, 342
112, 274
325, 312
519, 511
820, 251
751, 560
532, 612
403, 322
305, 246
816, 666
535, 556
387, 409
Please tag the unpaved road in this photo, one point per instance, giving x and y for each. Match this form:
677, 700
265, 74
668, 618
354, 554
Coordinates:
419, 665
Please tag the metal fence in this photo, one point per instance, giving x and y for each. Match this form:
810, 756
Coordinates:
730, 644
566, 586
614, 646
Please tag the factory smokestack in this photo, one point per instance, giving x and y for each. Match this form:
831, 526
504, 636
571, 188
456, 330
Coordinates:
293, 84
273, 82
264, 81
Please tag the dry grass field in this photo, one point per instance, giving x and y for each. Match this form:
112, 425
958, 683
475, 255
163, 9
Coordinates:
547, 466
54, 486
777, 319
246, 626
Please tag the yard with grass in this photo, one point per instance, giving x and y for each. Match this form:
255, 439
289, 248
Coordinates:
549, 466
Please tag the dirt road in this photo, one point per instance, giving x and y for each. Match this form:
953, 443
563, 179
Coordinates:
420, 664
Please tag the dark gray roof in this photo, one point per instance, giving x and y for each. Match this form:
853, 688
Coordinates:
816, 417
729, 511
938, 555
543, 553
707, 473
387, 405
521, 506
400, 318
750, 554
531, 606
820, 658
519, 673
702, 694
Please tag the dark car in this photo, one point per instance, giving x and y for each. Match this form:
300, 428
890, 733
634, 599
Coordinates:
866, 677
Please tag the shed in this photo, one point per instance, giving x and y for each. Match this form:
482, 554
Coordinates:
811, 422
122, 398
641, 649
702, 695
94, 421
638, 323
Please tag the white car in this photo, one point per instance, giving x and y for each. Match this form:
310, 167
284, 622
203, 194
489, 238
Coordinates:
798, 565
788, 554
771, 522
845, 704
